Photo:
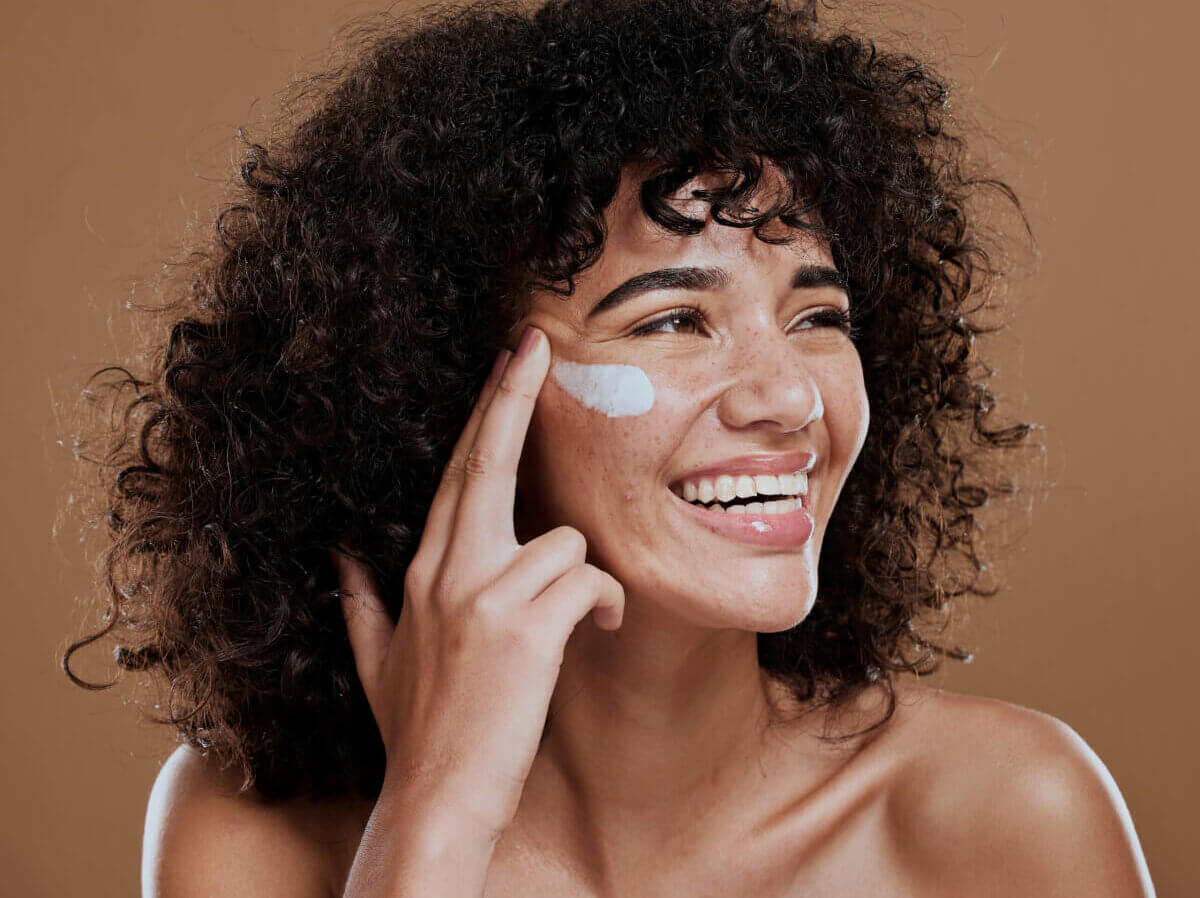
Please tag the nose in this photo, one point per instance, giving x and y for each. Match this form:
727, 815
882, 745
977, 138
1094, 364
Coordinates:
773, 385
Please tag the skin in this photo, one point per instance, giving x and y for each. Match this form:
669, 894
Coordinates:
672, 766
665, 719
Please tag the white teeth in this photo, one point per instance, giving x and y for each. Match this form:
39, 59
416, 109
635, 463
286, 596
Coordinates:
725, 488
766, 485
781, 506
744, 486
793, 484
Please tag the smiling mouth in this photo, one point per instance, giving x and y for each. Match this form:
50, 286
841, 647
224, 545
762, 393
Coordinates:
762, 505
782, 522
745, 494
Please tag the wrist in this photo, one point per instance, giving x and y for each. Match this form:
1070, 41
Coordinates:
441, 812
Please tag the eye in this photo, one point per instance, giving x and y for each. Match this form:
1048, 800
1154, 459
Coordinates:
686, 314
692, 317
836, 318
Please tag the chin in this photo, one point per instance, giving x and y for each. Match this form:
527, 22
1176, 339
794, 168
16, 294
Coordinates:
778, 616
769, 608
788, 612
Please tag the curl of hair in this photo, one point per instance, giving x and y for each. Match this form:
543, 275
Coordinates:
359, 285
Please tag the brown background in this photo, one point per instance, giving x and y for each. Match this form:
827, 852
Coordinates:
117, 124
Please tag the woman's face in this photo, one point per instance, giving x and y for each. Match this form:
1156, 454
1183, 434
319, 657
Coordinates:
624, 419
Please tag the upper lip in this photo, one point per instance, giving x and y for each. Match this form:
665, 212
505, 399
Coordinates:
754, 463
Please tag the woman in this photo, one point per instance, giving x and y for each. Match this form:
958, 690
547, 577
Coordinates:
660, 314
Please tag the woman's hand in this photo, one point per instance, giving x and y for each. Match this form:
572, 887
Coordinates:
460, 686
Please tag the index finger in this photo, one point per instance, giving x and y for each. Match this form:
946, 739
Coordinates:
485, 507
440, 516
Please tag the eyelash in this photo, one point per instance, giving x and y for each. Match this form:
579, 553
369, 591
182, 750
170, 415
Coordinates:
838, 318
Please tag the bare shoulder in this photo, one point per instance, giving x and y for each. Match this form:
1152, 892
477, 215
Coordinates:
204, 837
999, 799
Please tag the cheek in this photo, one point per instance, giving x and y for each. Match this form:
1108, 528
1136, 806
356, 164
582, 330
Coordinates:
616, 391
593, 438
847, 412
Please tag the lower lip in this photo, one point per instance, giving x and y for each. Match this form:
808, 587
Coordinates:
792, 528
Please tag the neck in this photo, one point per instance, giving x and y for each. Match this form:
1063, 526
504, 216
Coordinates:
651, 726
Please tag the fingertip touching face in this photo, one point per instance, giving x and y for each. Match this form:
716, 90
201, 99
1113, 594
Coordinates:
746, 370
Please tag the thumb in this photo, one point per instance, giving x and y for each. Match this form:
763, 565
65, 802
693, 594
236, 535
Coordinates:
368, 623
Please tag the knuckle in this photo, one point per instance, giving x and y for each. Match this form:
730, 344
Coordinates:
506, 627
415, 581
592, 578
489, 607
572, 541
509, 388
478, 462
599, 582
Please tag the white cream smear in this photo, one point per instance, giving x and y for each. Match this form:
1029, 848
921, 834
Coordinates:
615, 390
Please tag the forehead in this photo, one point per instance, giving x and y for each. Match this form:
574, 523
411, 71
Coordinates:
634, 243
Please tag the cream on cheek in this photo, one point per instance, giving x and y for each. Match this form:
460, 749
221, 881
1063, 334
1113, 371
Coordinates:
615, 390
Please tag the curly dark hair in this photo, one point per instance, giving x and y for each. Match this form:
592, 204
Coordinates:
339, 327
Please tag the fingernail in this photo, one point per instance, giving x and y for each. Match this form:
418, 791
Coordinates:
499, 365
528, 340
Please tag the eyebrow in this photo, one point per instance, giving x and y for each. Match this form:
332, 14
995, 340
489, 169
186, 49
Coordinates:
805, 276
